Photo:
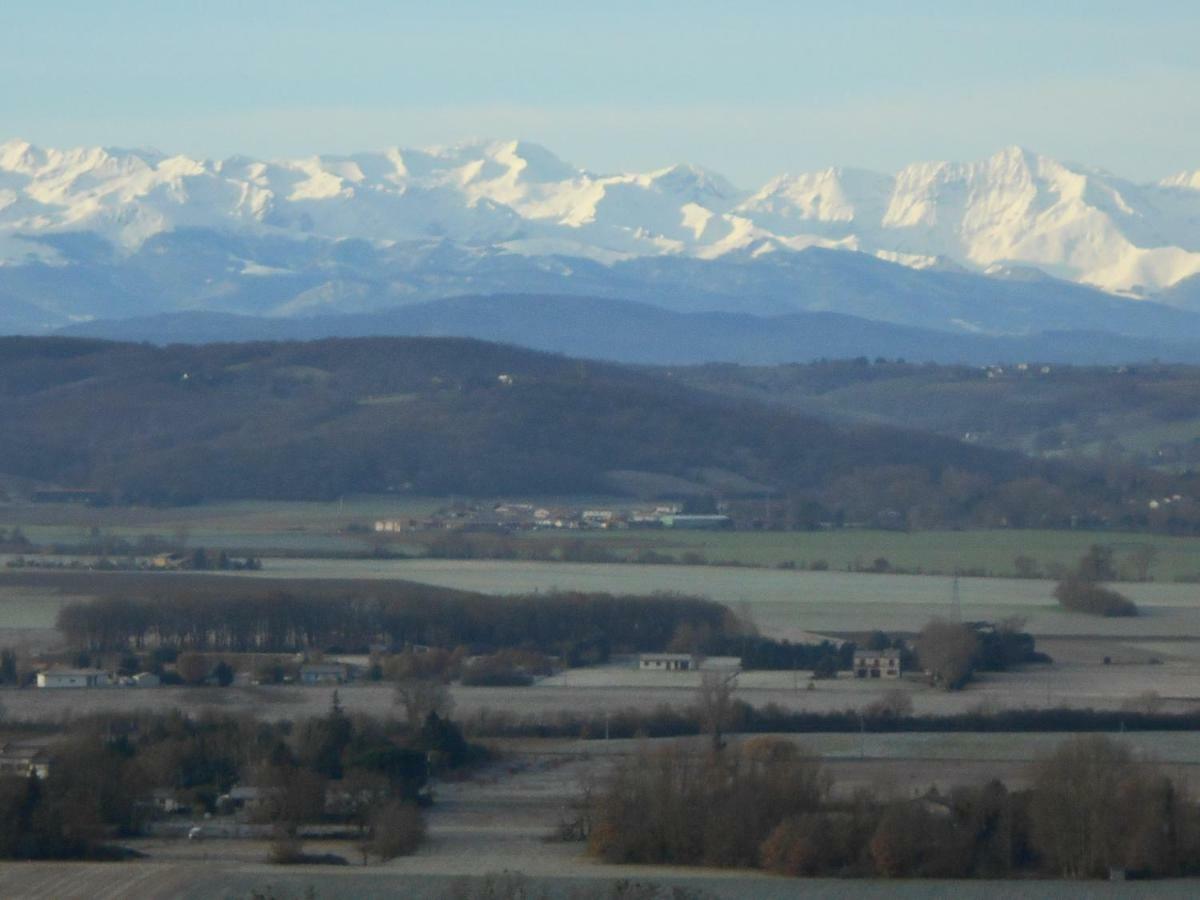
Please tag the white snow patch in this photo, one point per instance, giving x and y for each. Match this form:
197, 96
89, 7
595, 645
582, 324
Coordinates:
258, 270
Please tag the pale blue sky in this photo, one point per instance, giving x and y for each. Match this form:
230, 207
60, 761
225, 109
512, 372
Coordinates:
750, 88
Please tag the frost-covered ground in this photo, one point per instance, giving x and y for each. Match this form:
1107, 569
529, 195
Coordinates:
613, 689
498, 822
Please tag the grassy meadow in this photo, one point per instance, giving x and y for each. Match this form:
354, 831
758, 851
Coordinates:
991, 552
312, 528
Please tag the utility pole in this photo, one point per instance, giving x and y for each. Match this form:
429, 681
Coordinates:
956, 600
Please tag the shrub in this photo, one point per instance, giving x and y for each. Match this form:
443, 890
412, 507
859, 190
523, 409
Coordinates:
1081, 595
948, 652
673, 805
802, 845
192, 668
826, 667
286, 850
396, 829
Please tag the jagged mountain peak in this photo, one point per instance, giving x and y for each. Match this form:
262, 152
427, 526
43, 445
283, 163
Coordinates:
1190, 180
1013, 208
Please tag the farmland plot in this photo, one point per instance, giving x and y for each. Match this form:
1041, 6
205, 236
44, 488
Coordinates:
788, 603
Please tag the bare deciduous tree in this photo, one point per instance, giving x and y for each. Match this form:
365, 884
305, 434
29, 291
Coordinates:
1141, 558
422, 696
716, 702
947, 651
894, 704
396, 829
1095, 806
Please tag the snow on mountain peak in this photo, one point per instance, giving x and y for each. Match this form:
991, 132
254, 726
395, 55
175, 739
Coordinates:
1183, 180
1013, 209
698, 184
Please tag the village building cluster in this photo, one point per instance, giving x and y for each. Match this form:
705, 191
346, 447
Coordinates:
507, 517
306, 673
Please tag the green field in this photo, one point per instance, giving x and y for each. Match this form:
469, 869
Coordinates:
786, 603
935, 552
320, 528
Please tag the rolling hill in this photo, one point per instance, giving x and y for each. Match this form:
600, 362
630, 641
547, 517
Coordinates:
1144, 414
440, 416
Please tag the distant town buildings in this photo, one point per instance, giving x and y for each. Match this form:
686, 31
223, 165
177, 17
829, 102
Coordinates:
527, 516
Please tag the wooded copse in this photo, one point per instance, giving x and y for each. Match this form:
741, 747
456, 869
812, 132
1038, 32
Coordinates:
366, 773
1081, 590
581, 628
1091, 807
576, 629
428, 416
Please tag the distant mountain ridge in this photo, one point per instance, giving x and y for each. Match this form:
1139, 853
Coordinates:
623, 331
1014, 244
1013, 208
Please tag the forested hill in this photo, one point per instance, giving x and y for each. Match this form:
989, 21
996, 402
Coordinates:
439, 416
1145, 414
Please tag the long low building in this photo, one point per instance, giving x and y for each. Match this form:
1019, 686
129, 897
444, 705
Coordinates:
687, 662
72, 678
697, 522
666, 662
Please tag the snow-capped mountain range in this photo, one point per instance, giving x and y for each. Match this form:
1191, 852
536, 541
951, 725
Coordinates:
1016, 214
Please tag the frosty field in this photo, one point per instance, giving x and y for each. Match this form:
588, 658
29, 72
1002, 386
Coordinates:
790, 602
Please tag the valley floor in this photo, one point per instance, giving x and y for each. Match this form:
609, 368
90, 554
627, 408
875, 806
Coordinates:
500, 821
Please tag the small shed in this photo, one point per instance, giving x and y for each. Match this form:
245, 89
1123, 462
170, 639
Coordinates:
246, 797
23, 761
322, 673
165, 800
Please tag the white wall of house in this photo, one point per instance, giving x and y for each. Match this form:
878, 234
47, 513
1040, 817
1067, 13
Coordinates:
71, 679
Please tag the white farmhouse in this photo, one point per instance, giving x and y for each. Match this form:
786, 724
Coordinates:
877, 663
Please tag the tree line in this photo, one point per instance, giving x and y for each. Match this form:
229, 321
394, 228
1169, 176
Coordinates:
882, 717
367, 773
579, 627
1091, 806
